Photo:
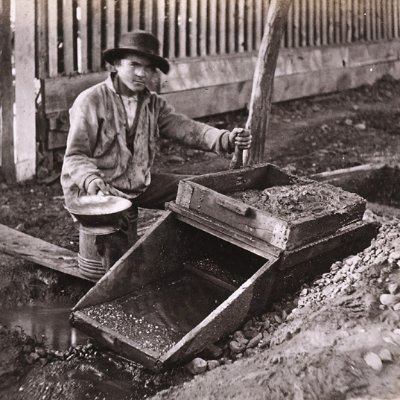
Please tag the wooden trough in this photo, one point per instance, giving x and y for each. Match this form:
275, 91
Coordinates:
199, 272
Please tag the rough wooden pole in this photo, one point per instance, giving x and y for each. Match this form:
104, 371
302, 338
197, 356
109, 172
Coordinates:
260, 102
7, 164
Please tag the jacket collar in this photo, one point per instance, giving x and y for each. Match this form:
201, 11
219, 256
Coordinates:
110, 82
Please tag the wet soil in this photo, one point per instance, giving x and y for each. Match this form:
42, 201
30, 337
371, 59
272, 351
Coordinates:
332, 335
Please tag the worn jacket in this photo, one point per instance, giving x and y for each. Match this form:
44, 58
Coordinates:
97, 142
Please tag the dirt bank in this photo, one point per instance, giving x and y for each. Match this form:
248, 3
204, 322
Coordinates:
337, 320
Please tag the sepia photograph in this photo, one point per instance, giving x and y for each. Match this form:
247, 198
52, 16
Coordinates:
200, 199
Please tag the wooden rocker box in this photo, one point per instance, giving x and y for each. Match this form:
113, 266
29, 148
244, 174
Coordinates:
206, 201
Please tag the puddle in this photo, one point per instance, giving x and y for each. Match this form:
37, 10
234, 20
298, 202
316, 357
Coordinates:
49, 321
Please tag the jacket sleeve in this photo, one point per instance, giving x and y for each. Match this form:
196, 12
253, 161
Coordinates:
78, 161
195, 134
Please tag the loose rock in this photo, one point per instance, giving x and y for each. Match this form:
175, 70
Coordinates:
197, 366
374, 361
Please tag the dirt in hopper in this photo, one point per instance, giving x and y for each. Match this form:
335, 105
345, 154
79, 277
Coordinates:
298, 200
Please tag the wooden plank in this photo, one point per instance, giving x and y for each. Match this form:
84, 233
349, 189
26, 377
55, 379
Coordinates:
222, 26
324, 22
53, 37
68, 36
95, 12
211, 278
183, 10
317, 23
124, 15
83, 65
289, 28
379, 20
38, 251
343, 20
386, 19
231, 26
193, 28
41, 39
171, 30
25, 94
6, 94
242, 46
161, 23
331, 22
311, 22
303, 22
368, 30
296, 22
396, 20
258, 23
148, 15
337, 25
250, 25
203, 28
373, 20
361, 19
213, 27
56, 139
229, 315
110, 24
349, 32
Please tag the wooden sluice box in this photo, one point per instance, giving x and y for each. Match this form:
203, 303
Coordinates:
210, 263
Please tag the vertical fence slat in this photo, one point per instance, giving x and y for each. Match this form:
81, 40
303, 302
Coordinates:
361, 18
349, 25
124, 15
136, 13
171, 30
53, 38
337, 27
161, 23
83, 37
110, 23
258, 23
241, 24
148, 15
182, 27
250, 25
303, 22
95, 13
324, 22
396, 18
373, 20
355, 20
370, 19
41, 39
213, 27
378, 19
193, 27
296, 22
68, 37
389, 19
289, 27
222, 26
203, 27
343, 20
231, 25
311, 22
385, 19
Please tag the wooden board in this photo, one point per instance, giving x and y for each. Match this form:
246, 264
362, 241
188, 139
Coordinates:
38, 251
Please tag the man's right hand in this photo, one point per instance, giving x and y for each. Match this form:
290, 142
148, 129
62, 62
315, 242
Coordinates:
97, 185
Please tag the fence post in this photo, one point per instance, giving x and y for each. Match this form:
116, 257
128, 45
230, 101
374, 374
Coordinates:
6, 94
25, 121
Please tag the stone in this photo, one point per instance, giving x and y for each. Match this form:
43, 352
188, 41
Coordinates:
212, 364
236, 347
396, 307
197, 366
393, 288
254, 342
361, 126
385, 355
250, 333
387, 299
250, 352
211, 352
238, 335
374, 361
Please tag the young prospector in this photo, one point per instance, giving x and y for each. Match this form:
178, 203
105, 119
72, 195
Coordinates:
115, 126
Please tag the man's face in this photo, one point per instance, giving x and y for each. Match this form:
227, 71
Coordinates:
135, 72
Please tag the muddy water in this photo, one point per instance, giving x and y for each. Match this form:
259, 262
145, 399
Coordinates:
161, 314
45, 321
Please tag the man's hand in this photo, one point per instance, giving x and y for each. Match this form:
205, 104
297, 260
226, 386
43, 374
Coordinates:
97, 185
241, 138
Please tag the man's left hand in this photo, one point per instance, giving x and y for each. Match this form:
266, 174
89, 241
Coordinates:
241, 138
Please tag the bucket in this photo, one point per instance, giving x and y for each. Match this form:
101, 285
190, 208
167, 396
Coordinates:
89, 260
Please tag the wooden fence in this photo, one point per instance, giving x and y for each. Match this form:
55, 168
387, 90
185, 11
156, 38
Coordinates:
71, 34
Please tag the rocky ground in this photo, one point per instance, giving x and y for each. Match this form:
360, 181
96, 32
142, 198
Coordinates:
337, 337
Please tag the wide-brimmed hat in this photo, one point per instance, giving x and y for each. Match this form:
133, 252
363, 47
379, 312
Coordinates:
138, 42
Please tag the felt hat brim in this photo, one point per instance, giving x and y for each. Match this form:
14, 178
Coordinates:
110, 55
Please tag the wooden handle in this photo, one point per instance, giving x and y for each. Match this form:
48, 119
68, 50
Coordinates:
236, 161
236, 207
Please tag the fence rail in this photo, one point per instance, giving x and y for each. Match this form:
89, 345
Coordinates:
71, 34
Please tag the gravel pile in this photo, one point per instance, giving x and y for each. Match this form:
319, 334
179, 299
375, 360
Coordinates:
377, 266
